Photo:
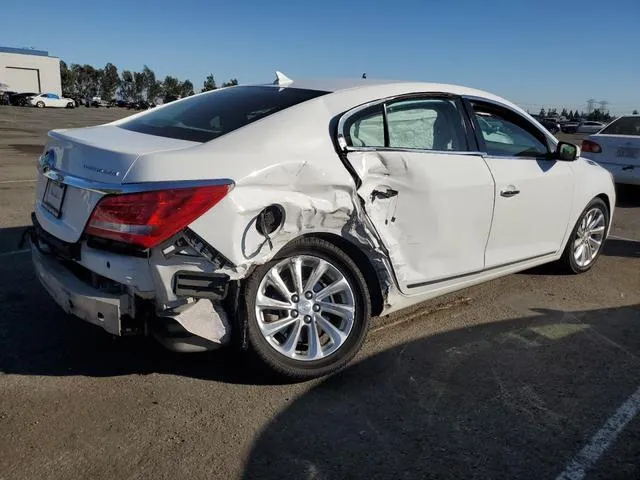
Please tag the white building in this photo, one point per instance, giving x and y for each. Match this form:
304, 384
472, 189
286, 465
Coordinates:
25, 70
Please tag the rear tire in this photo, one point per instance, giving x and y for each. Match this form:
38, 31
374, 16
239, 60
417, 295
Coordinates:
40, 104
323, 331
587, 238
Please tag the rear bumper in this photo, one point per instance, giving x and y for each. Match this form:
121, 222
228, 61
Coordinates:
77, 298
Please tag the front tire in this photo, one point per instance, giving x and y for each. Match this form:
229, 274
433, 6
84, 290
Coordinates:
308, 310
587, 238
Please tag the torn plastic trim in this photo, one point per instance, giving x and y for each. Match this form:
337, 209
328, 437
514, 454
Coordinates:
190, 239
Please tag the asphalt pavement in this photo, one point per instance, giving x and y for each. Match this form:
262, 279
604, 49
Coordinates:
533, 375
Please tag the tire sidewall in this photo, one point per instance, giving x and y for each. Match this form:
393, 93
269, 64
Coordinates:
571, 259
308, 369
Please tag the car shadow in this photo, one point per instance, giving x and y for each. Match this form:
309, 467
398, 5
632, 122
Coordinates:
615, 247
10, 239
510, 399
627, 196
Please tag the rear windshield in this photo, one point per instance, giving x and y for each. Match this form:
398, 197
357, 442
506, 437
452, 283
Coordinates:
205, 117
624, 126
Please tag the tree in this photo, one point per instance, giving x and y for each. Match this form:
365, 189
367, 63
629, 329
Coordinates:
68, 78
542, 113
171, 88
152, 87
209, 83
635, 112
138, 85
186, 88
87, 80
564, 113
570, 115
126, 86
109, 81
230, 83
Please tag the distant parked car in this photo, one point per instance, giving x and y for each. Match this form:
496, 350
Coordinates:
99, 102
550, 124
617, 148
51, 100
590, 127
21, 99
569, 126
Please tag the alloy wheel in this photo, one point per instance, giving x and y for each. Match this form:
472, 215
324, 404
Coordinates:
305, 307
589, 237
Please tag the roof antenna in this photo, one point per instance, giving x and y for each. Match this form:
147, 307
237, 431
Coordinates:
281, 79
364, 75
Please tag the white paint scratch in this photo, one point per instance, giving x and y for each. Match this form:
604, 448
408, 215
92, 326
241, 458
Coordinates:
18, 181
602, 440
15, 252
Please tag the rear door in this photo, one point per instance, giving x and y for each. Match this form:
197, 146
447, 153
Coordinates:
533, 192
425, 187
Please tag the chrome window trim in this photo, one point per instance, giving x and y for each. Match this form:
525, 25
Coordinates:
414, 150
111, 188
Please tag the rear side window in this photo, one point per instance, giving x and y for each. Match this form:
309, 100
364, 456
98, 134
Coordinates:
204, 117
624, 126
417, 123
426, 124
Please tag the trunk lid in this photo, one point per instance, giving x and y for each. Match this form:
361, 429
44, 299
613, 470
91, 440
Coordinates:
86, 161
617, 149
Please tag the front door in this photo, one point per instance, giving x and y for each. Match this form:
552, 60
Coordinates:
533, 192
428, 195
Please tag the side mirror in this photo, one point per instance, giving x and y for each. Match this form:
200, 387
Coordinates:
567, 152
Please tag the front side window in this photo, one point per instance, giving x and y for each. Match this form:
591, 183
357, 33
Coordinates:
624, 126
204, 117
508, 134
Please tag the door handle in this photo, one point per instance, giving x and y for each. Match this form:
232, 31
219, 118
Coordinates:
510, 191
388, 193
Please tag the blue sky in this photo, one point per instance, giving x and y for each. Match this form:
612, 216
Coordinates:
536, 53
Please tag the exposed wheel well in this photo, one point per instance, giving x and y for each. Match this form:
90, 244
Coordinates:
363, 262
605, 198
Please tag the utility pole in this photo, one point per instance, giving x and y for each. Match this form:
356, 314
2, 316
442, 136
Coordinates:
603, 106
590, 103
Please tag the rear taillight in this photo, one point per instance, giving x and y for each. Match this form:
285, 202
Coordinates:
591, 147
148, 218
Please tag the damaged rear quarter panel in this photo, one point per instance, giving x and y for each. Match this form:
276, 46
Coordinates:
286, 159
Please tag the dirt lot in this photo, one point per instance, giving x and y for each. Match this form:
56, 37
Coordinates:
530, 376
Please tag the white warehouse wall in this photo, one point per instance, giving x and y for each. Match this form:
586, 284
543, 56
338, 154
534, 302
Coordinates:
27, 70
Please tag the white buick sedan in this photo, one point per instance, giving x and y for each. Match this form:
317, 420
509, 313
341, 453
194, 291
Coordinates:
282, 217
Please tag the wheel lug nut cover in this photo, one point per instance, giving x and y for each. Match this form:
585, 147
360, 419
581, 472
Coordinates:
294, 313
316, 308
308, 295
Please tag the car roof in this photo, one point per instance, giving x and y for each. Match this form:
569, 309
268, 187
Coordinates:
334, 85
